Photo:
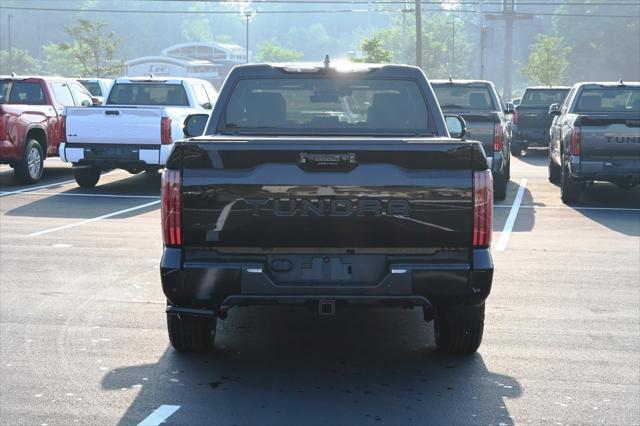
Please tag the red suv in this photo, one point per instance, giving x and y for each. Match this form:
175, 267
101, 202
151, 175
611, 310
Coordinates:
31, 123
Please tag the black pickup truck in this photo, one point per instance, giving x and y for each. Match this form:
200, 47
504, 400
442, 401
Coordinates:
596, 137
531, 120
477, 101
327, 188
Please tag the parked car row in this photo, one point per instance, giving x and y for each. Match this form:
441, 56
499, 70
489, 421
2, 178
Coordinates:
131, 126
592, 129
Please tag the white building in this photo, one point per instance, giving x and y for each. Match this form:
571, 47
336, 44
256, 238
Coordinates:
209, 61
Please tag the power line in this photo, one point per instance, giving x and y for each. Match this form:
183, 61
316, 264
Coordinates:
263, 12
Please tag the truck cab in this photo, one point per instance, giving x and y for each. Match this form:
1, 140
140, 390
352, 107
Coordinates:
478, 102
31, 124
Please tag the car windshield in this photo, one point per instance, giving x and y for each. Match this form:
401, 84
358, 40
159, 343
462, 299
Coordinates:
467, 96
326, 106
543, 97
93, 87
609, 99
153, 94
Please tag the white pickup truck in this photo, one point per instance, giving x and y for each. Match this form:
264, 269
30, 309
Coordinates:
135, 128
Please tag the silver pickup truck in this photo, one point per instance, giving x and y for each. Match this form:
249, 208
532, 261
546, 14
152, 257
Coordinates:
595, 137
477, 101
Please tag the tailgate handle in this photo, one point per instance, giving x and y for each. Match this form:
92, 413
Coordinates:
112, 112
324, 161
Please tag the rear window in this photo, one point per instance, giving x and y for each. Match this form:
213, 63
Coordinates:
21, 93
4, 90
153, 94
609, 99
543, 98
92, 87
472, 97
326, 106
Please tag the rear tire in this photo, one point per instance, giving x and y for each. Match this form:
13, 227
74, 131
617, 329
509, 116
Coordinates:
555, 171
87, 177
569, 190
191, 334
500, 186
458, 328
29, 169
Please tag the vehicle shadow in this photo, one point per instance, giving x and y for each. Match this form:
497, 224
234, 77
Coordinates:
287, 366
536, 156
603, 195
52, 173
106, 198
526, 218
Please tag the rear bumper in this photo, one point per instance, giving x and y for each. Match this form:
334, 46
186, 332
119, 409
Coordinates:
115, 155
608, 171
205, 286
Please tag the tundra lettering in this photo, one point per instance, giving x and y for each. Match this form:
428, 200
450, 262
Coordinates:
337, 207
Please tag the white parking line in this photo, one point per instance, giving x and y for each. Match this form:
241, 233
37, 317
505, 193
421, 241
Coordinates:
34, 188
511, 219
161, 414
95, 219
89, 195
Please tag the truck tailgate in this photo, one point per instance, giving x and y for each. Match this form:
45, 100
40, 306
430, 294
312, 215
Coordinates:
534, 118
608, 138
349, 195
480, 127
114, 125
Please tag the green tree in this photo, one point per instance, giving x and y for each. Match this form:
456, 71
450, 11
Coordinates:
21, 62
60, 60
437, 46
548, 63
268, 51
372, 52
93, 48
602, 47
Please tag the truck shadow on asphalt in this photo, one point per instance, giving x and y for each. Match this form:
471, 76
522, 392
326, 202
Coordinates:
287, 366
526, 218
536, 156
103, 199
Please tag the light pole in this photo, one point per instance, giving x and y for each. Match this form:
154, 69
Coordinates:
418, 33
248, 14
9, 17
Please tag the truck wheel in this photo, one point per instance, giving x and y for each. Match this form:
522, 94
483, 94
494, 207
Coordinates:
458, 329
191, 334
29, 169
500, 187
569, 190
555, 171
87, 177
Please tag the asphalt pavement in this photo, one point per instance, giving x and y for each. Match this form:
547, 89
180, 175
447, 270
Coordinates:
83, 335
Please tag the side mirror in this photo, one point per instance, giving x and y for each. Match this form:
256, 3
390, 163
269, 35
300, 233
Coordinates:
554, 109
86, 103
194, 125
456, 126
509, 108
206, 105
96, 101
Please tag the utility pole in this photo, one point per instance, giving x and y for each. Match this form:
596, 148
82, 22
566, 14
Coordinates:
404, 33
483, 35
418, 34
508, 15
248, 14
9, 17
452, 71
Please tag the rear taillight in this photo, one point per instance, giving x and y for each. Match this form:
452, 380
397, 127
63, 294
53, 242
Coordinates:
575, 141
497, 137
3, 126
482, 208
516, 117
171, 207
165, 131
63, 128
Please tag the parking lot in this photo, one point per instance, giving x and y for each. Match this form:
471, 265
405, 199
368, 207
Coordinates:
83, 335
